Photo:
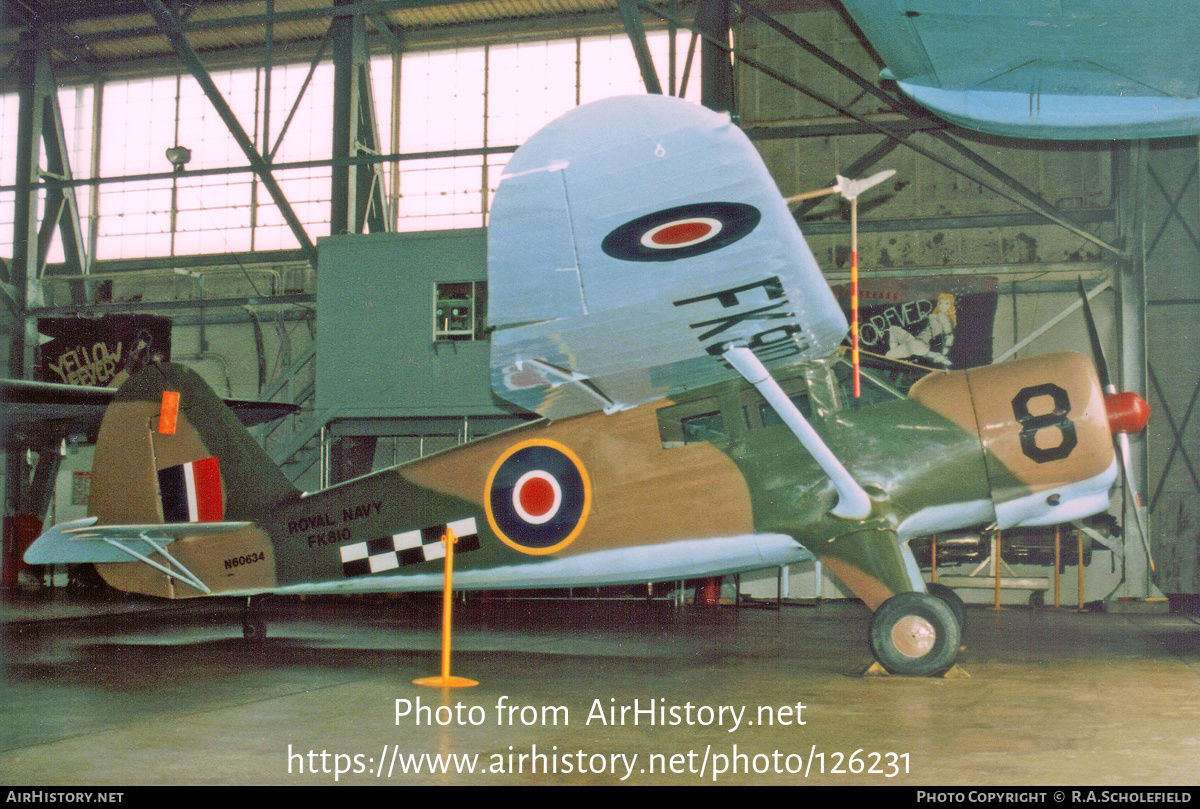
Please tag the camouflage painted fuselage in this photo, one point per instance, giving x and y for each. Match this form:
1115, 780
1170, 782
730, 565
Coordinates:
706, 483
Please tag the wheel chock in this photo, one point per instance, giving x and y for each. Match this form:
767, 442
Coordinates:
955, 672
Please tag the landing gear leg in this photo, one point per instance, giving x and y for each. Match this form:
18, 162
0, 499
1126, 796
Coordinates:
915, 634
254, 628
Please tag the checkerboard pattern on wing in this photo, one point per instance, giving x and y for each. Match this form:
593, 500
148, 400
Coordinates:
408, 548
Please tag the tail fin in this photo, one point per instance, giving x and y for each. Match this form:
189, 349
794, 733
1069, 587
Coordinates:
137, 463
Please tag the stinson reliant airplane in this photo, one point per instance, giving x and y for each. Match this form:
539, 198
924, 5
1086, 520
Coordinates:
653, 299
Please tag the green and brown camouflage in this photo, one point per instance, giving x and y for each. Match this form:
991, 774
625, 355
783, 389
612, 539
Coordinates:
650, 485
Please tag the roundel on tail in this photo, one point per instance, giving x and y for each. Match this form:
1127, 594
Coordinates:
681, 232
537, 496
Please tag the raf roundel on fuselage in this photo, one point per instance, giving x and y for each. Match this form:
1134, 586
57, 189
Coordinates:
537, 496
633, 240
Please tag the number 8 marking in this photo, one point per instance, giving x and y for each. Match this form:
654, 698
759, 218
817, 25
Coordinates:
1031, 424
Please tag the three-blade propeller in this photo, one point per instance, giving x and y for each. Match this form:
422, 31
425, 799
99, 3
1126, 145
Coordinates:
1127, 413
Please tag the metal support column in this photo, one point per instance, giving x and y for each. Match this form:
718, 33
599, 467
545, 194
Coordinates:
24, 290
357, 201
632, 18
716, 67
1129, 281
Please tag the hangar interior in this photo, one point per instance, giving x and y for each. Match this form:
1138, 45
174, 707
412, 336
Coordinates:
303, 189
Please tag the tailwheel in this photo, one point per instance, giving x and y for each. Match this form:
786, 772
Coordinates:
254, 628
915, 634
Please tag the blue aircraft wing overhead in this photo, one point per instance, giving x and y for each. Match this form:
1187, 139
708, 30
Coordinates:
630, 241
1067, 69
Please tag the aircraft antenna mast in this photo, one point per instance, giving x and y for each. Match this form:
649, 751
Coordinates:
850, 189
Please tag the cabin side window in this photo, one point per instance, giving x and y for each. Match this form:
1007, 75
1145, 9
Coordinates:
757, 413
691, 423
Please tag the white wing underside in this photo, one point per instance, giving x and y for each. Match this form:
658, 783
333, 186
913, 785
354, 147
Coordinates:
591, 312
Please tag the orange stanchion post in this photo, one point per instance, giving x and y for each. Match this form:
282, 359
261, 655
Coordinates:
1057, 562
997, 565
854, 325
933, 558
445, 680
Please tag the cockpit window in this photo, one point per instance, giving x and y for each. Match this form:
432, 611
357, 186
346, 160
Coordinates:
691, 423
871, 390
703, 427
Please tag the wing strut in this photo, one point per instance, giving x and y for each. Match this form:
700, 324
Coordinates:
183, 574
853, 502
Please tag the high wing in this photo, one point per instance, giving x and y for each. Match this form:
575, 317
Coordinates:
631, 243
1098, 69
42, 413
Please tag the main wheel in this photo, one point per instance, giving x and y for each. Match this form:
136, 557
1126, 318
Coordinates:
915, 634
952, 600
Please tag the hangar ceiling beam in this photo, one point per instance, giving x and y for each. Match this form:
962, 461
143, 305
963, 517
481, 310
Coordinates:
264, 134
827, 128
295, 15
357, 160
632, 18
168, 26
390, 35
312, 68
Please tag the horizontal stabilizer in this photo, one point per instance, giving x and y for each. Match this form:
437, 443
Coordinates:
84, 542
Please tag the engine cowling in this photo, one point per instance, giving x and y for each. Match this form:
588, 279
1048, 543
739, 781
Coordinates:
1044, 430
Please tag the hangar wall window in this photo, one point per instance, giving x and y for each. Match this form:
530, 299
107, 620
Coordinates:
460, 311
490, 100
9, 107
470, 106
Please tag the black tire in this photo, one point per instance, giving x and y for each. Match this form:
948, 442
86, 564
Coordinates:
254, 630
953, 601
915, 634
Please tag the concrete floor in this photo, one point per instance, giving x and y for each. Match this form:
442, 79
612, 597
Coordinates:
171, 694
